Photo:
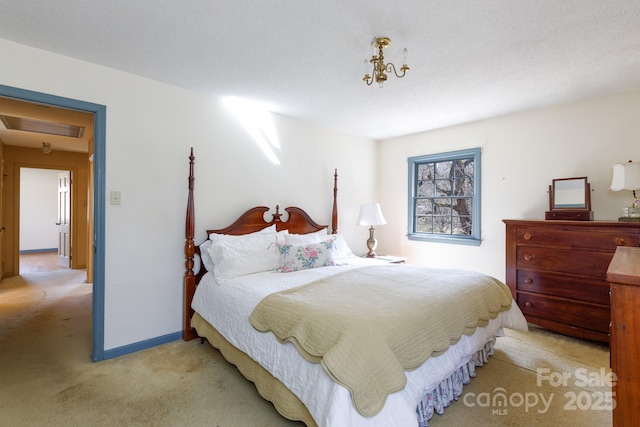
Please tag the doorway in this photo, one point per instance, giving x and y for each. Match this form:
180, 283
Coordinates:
97, 202
45, 219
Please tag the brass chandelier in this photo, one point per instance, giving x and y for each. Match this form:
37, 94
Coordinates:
380, 69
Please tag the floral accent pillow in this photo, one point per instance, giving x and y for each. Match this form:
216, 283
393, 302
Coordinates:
303, 257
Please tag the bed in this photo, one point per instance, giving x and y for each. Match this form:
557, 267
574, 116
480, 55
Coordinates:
226, 301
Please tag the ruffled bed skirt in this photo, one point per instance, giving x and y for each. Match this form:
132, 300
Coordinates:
451, 388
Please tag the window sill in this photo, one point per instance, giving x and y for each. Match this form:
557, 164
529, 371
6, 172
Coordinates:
470, 241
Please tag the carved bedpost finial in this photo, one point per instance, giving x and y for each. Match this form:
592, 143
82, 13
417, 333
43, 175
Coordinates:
277, 215
191, 177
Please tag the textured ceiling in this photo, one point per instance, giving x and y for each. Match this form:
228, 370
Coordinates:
469, 59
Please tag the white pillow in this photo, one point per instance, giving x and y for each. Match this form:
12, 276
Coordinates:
269, 229
302, 257
281, 236
266, 230
204, 246
239, 255
204, 254
342, 249
303, 239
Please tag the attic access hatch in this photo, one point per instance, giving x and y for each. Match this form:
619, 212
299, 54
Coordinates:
41, 126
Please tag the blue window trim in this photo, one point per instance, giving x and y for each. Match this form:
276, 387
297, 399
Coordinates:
413, 162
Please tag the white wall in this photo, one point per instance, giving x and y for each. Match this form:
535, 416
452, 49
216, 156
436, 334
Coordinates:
38, 209
150, 127
521, 154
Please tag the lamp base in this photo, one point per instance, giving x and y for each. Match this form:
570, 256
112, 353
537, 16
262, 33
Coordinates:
371, 244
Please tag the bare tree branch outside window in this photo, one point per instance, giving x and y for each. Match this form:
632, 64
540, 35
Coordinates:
444, 196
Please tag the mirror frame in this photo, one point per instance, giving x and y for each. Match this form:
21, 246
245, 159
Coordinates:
553, 192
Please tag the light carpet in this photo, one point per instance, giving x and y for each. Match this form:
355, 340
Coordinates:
47, 378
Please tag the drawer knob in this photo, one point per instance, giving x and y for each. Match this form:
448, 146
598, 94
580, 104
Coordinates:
528, 257
528, 304
528, 281
620, 241
527, 236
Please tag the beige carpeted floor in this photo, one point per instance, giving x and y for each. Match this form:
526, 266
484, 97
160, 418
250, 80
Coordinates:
47, 378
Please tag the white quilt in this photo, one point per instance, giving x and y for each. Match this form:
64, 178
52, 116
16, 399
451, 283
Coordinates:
227, 308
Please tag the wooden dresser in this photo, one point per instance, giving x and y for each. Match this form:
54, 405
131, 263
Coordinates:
624, 275
557, 272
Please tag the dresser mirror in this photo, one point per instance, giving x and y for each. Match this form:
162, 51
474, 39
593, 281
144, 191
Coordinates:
570, 199
570, 193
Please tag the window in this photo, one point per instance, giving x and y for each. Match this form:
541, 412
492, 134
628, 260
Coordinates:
444, 197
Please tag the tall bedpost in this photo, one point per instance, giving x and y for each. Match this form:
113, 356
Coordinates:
334, 214
189, 285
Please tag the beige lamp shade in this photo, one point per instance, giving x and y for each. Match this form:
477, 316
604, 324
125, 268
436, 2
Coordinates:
626, 176
371, 214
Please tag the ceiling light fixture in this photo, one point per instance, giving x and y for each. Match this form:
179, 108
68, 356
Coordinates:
46, 148
380, 69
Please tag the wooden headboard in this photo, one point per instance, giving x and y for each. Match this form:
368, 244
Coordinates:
298, 222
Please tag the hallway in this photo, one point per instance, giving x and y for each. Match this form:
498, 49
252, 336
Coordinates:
39, 262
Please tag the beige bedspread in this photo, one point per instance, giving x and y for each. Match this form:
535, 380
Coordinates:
366, 326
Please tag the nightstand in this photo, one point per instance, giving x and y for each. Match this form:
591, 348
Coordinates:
391, 259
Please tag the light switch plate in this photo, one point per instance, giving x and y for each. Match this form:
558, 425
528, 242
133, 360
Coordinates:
114, 198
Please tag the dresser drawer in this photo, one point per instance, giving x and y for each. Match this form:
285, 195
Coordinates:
601, 240
593, 264
577, 288
572, 313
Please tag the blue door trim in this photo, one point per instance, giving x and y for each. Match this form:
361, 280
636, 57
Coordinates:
99, 157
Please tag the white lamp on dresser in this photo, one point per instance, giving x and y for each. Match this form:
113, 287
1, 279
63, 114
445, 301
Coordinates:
626, 176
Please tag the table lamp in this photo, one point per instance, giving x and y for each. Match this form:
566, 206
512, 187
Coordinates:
370, 214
